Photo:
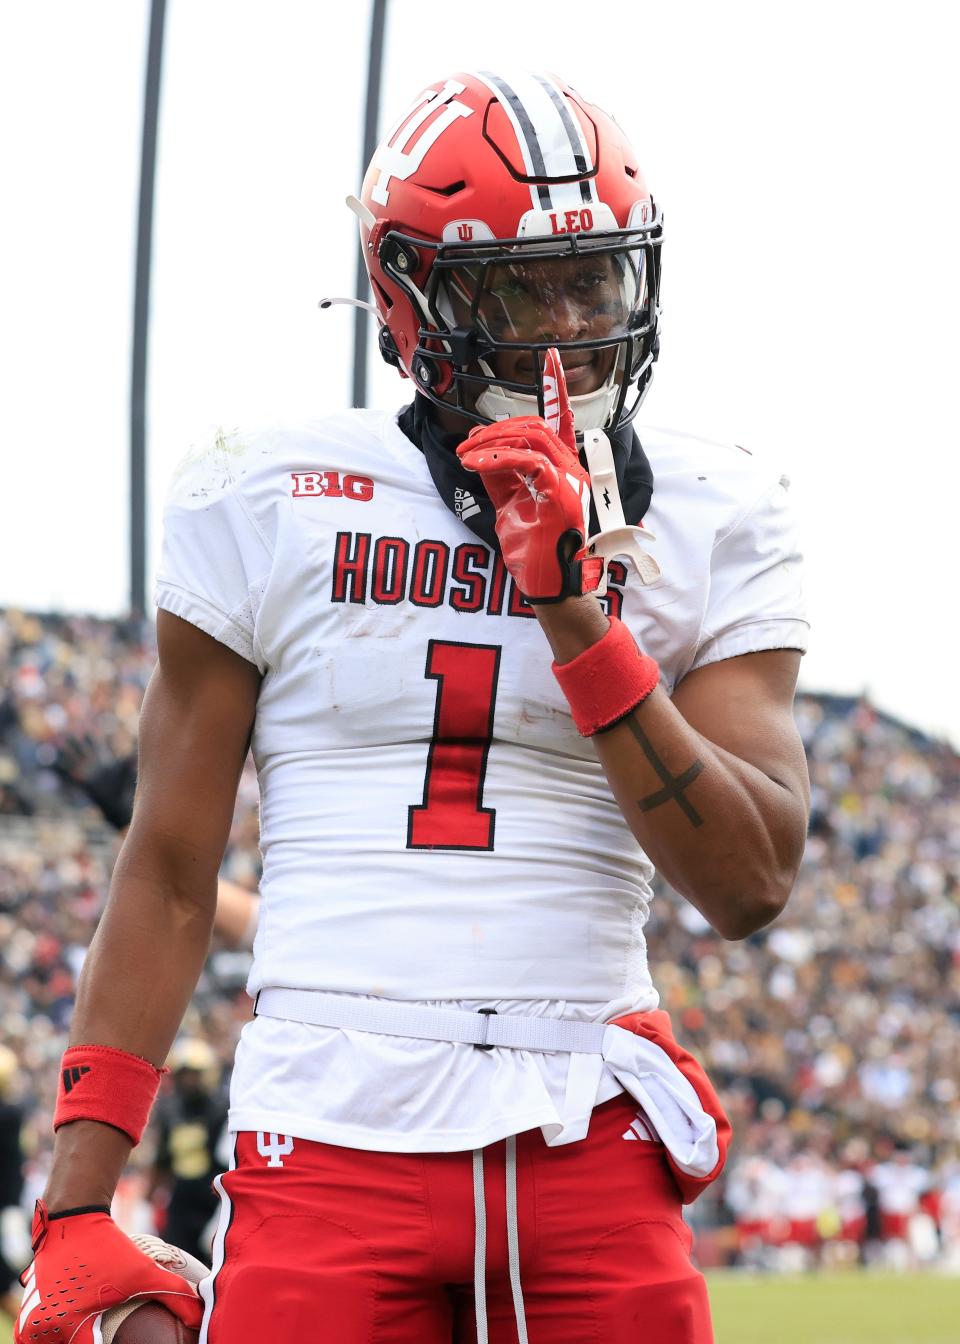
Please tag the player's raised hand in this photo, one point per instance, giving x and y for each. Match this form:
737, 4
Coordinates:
82, 1266
532, 473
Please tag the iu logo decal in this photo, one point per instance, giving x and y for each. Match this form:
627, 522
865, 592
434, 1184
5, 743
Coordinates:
406, 146
274, 1146
311, 484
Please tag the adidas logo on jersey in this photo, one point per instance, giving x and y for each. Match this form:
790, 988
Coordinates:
639, 1129
464, 504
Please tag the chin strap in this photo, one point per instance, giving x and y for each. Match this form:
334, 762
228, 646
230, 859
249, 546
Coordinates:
616, 536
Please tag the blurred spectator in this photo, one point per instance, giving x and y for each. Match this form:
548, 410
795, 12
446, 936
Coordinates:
187, 1124
756, 1196
833, 1034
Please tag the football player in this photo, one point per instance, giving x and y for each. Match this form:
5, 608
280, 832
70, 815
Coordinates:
499, 657
187, 1124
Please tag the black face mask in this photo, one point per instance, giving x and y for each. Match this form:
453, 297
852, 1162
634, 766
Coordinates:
464, 495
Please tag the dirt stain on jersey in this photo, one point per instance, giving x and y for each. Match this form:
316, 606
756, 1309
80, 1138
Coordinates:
209, 470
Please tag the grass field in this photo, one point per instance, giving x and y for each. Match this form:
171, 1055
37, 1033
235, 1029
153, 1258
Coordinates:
836, 1309
833, 1309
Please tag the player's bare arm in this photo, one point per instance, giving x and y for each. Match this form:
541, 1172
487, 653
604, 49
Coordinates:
713, 783
152, 941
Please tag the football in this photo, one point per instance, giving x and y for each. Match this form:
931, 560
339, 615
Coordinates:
143, 1321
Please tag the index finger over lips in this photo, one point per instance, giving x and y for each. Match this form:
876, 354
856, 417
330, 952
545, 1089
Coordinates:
556, 402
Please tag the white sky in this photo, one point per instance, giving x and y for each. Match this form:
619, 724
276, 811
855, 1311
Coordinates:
804, 154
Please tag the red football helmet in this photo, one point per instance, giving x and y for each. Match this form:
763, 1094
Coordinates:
502, 216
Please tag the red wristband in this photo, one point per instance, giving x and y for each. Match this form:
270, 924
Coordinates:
100, 1083
607, 680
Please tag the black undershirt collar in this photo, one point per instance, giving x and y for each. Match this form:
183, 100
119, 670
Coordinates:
463, 492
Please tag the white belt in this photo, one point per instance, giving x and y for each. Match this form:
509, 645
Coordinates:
484, 1029
639, 1065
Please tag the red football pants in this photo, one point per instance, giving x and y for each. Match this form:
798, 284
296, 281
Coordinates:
340, 1246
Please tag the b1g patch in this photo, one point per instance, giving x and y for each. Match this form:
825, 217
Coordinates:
330, 485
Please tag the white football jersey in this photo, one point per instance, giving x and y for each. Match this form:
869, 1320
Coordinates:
432, 825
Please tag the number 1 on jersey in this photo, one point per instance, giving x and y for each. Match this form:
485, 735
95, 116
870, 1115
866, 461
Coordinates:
452, 815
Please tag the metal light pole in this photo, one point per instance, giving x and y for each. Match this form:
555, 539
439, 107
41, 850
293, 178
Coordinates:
141, 314
378, 20
141, 308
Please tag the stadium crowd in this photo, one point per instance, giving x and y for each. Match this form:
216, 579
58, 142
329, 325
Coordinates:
833, 1036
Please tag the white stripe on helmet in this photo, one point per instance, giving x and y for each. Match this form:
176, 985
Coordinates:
551, 140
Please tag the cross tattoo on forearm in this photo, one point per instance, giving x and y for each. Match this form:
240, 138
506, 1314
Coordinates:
673, 785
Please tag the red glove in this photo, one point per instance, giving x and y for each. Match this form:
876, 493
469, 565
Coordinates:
541, 493
84, 1265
